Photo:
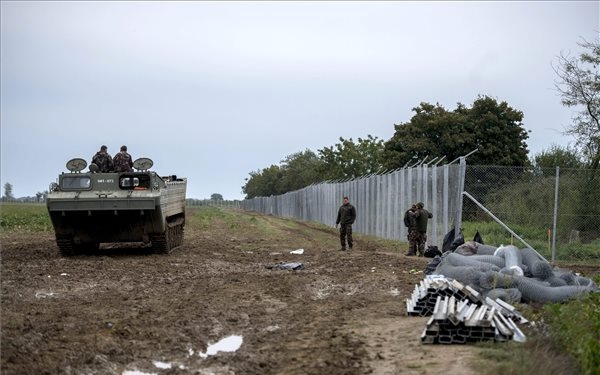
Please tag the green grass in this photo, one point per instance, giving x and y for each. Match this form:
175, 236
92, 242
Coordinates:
206, 217
495, 234
30, 217
576, 326
562, 339
203, 217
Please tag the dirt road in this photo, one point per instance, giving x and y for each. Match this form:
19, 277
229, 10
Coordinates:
124, 311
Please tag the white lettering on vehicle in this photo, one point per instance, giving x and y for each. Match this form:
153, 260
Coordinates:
107, 181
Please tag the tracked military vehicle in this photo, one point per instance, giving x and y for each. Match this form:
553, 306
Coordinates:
90, 208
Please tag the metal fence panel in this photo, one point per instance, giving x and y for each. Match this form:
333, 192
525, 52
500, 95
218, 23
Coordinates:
555, 211
380, 201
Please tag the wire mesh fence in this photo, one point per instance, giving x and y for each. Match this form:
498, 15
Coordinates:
380, 201
555, 211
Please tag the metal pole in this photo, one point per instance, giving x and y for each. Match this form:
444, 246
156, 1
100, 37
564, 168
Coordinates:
555, 214
466, 156
499, 222
462, 173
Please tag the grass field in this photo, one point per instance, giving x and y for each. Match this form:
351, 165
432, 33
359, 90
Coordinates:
30, 217
538, 238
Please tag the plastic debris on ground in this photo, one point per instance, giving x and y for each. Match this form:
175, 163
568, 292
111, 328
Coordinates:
287, 266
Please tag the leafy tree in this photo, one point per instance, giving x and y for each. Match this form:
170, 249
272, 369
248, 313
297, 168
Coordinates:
497, 132
494, 128
579, 86
295, 172
557, 156
299, 170
216, 197
432, 132
263, 183
348, 159
8, 192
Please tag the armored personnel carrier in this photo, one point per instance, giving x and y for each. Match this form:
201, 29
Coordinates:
89, 208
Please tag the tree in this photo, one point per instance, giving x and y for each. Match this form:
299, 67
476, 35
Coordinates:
216, 197
349, 160
493, 128
579, 86
300, 170
497, 132
296, 171
8, 192
263, 183
557, 156
431, 132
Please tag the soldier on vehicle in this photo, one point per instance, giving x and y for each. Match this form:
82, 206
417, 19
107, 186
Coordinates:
122, 161
103, 160
421, 216
345, 218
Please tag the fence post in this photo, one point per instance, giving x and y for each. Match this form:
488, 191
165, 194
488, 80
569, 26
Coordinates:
462, 171
555, 214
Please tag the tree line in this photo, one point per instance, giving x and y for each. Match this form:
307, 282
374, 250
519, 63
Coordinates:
492, 127
8, 195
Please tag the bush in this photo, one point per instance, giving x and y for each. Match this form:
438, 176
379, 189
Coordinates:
576, 325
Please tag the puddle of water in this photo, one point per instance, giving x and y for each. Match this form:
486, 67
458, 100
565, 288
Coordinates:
299, 251
272, 328
44, 294
162, 365
228, 344
136, 372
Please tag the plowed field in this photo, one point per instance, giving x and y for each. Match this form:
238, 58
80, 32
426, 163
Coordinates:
125, 311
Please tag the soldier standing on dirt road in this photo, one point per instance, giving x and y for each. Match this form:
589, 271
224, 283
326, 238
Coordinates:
421, 216
411, 224
345, 218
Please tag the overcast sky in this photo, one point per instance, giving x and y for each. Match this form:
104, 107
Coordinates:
212, 91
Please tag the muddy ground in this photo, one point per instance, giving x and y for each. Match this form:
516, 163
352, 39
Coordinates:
124, 311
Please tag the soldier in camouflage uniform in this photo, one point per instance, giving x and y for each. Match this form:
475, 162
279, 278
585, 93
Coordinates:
122, 161
345, 218
422, 217
411, 225
103, 160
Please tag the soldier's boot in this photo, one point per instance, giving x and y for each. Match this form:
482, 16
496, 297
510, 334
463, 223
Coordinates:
411, 251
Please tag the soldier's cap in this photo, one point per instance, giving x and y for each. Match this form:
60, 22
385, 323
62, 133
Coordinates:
103, 147
420, 205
